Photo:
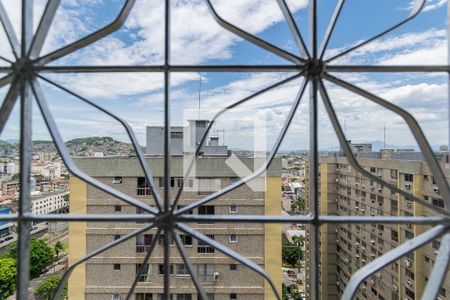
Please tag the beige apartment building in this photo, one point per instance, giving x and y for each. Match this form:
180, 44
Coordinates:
347, 247
110, 275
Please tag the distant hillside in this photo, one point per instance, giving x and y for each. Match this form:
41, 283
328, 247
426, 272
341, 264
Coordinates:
86, 146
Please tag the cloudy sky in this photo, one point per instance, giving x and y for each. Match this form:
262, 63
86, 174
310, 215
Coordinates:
197, 39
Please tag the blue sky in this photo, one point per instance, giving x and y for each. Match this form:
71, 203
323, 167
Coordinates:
197, 39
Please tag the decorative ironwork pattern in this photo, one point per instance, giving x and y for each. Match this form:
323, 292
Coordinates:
29, 65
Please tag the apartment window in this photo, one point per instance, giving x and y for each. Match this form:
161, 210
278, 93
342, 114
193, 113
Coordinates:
144, 275
182, 269
233, 238
233, 267
205, 272
143, 242
184, 297
161, 240
206, 210
394, 174
116, 237
409, 235
408, 177
409, 274
436, 245
394, 205
233, 296
116, 266
372, 170
410, 293
202, 247
144, 296
438, 202
117, 180
115, 297
233, 209
394, 235
186, 239
143, 188
161, 269
117, 208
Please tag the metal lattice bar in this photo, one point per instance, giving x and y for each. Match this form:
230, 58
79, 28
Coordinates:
439, 271
389, 258
213, 121
43, 28
102, 249
331, 27
9, 30
22, 76
130, 133
230, 253
418, 135
190, 267
144, 263
90, 39
420, 4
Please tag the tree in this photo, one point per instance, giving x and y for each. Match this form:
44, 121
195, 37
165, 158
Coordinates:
58, 248
16, 176
7, 277
298, 240
291, 255
290, 292
40, 255
47, 288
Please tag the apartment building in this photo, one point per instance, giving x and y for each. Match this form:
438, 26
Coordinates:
110, 275
347, 247
47, 203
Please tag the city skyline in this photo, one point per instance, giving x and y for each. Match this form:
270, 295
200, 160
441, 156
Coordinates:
140, 100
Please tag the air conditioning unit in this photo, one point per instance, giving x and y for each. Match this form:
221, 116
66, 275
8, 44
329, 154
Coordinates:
408, 204
337, 283
363, 210
395, 288
380, 189
371, 281
408, 263
380, 232
363, 287
373, 254
357, 255
408, 186
363, 260
436, 189
357, 244
337, 179
378, 275
338, 170
216, 276
356, 207
357, 184
363, 248
409, 283
363, 185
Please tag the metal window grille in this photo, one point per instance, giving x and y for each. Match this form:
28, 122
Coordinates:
22, 74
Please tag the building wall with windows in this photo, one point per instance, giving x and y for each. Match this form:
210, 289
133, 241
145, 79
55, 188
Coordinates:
348, 247
109, 275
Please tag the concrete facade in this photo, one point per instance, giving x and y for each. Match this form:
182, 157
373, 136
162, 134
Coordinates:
347, 247
111, 273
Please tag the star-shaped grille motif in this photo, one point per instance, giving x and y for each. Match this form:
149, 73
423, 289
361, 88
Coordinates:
29, 65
